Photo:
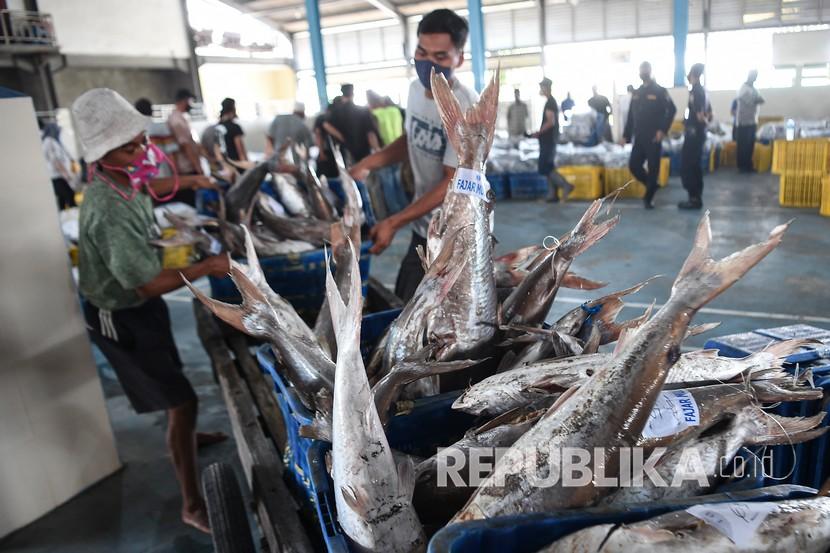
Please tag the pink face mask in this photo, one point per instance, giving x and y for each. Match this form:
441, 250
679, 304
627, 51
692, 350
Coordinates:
141, 170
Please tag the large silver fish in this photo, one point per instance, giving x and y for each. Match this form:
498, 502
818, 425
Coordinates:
265, 314
240, 196
290, 195
373, 496
468, 316
612, 408
801, 525
306, 229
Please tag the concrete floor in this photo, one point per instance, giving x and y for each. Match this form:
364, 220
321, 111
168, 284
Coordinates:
137, 509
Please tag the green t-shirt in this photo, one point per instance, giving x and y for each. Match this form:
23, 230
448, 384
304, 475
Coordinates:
390, 123
114, 252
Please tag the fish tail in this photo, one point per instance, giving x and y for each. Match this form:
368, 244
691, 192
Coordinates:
345, 311
771, 391
784, 348
777, 430
576, 282
588, 231
702, 278
482, 113
696, 330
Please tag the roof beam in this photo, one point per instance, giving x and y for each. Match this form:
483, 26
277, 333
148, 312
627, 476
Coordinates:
387, 7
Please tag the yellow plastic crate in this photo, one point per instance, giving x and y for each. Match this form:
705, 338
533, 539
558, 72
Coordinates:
175, 257
586, 180
73, 255
677, 127
762, 158
801, 155
825, 196
729, 154
616, 177
800, 189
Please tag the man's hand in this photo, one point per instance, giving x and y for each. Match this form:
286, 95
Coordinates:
359, 171
219, 265
533, 135
200, 182
382, 235
659, 135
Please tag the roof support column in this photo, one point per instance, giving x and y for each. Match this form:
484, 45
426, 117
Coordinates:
680, 30
476, 20
312, 10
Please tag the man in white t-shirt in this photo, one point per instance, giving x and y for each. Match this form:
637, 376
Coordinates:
441, 37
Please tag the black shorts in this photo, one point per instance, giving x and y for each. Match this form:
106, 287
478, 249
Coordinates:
138, 343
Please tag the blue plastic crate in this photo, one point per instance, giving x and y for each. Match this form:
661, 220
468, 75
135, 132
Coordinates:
527, 186
529, 533
300, 278
431, 423
499, 186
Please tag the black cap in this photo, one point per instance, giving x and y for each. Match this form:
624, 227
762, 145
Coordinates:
228, 105
546, 82
183, 94
696, 69
347, 89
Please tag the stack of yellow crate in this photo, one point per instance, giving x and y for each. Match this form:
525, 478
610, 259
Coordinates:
762, 158
616, 177
585, 179
825, 196
802, 164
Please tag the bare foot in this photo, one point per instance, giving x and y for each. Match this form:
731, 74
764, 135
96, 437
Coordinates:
197, 518
204, 439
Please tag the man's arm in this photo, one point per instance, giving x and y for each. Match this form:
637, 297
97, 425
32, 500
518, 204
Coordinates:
171, 279
547, 124
383, 233
670, 111
192, 154
393, 153
629, 122
269, 146
187, 182
332, 130
240, 147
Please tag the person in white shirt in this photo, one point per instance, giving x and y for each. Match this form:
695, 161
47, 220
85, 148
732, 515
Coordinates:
746, 121
441, 37
59, 163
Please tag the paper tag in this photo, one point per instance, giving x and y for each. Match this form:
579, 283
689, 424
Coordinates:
737, 521
673, 411
215, 246
471, 182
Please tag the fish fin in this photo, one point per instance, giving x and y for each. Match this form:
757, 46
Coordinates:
696, 330
253, 269
630, 331
406, 477
784, 348
345, 313
777, 430
702, 278
576, 282
567, 394
230, 313
588, 231
356, 499
423, 257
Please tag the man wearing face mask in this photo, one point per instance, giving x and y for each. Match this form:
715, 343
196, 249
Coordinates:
441, 37
122, 280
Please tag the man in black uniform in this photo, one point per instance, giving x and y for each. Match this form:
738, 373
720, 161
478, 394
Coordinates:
694, 138
649, 118
548, 134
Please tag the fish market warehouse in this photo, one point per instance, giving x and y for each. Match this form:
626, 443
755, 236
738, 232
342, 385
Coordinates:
406, 276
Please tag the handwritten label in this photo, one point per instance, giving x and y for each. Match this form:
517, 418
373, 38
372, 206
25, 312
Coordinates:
471, 182
673, 411
737, 521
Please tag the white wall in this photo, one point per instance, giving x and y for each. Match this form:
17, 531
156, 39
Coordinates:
145, 28
55, 435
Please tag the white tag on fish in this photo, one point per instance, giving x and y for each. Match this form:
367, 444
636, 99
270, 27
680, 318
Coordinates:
470, 182
737, 521
215, 246
673, 411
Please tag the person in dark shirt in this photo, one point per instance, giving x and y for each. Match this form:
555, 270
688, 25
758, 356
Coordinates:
548, 134
567, 106
325, 159
649, 118
356, 126
694, 138
602, 106
231, 132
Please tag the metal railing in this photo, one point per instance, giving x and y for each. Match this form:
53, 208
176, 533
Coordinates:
26, 28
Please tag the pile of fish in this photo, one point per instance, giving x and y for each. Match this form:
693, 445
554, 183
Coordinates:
302, 214
476, 324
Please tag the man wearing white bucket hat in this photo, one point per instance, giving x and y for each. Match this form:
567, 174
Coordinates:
122, 280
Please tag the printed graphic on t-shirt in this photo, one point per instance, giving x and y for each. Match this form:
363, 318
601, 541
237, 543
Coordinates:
427, 137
